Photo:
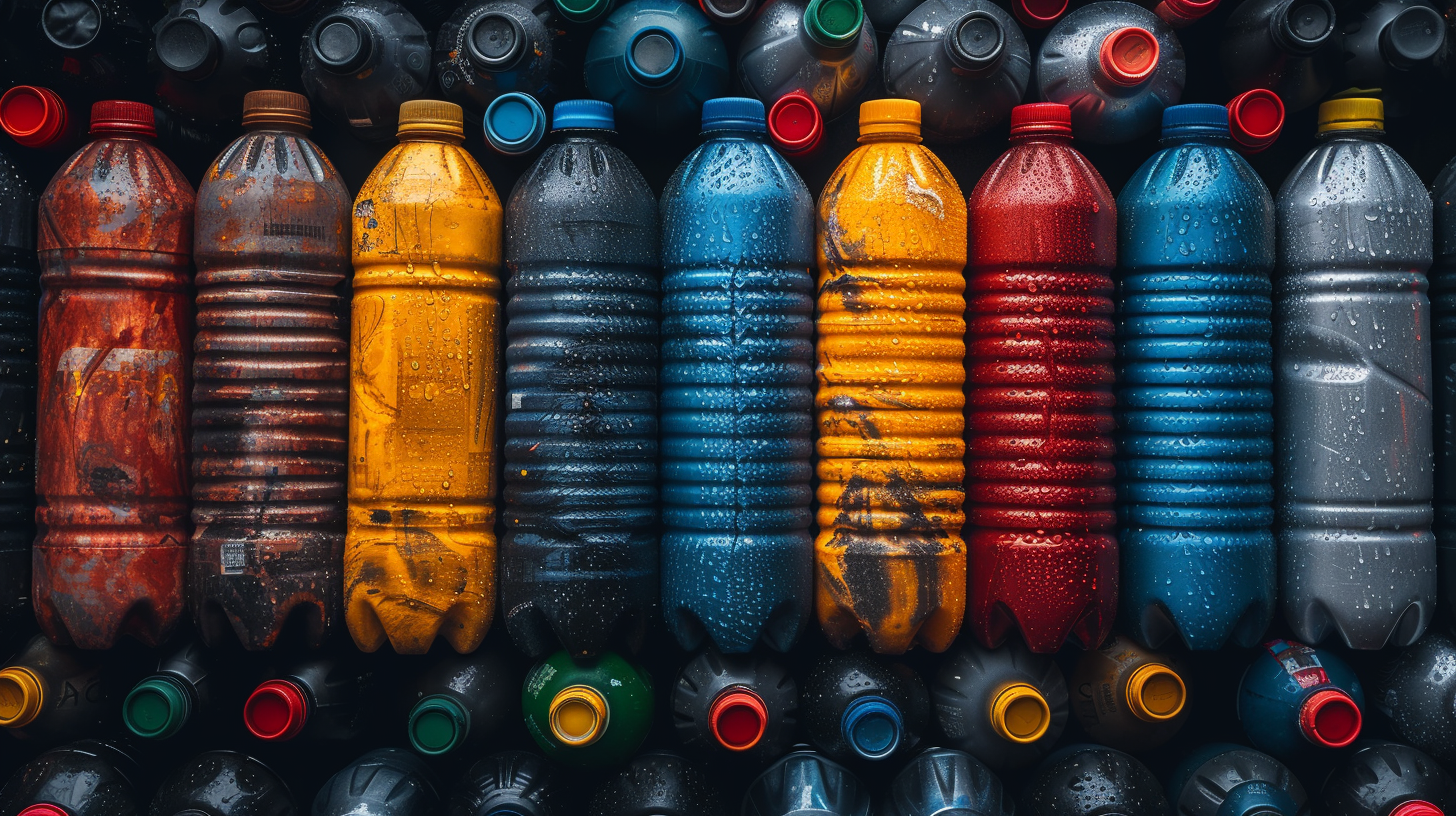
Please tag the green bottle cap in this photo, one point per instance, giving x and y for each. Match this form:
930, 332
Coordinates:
834, 23
583, 11
437, 725
157, 707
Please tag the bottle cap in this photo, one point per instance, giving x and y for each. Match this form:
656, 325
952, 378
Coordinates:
728, 12
44, 810
1038, 13
514, 123
187, 47
1412, 36
71, 25
890, 117
33, 116
583, 114
1416, 807
1180, 13
1255, 119
1155, 692
795, 124
1020, 714
583, 11
654, 56
1041, 119
1129, 55
157, 707
276, 108
276, 711
1305, 25
872, 727
1353, 113
738, 718
21, 697
341, 43
431, 116
496, 41
578, 716
976, 41
1329, 717
738, 113
834, 23
438, 724
1195, 120
118, 116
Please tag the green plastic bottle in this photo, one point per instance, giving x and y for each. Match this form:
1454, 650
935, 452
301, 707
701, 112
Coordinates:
588, 713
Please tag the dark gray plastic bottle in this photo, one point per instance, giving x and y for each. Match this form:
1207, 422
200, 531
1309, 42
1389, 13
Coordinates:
1353, 383
1286, 46
361, 60
1418, 697
1393, 45
941, 782
496, 47
1231, 780
965, 61
1443, 359
824, 49
19, 294
972, 677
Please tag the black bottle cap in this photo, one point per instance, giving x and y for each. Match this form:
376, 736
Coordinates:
188, 47
496, 41
71, 24
1412, 36
341, 43
976, 41
1305, 25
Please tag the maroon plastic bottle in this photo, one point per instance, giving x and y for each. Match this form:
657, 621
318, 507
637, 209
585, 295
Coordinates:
270, 400
1039, 423
115, 360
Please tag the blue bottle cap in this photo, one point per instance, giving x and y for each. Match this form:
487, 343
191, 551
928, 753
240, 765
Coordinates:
514, 123
872, 727
583, 114
1195, 120
734, 113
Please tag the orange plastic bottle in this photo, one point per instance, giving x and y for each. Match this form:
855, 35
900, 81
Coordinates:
419, 558
890, 335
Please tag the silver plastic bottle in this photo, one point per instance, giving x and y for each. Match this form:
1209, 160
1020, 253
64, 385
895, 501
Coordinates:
1353, 388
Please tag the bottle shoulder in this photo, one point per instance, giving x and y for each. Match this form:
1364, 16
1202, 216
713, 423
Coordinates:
118, 194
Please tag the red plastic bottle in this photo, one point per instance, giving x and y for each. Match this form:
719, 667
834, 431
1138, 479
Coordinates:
114, 361
1039, 369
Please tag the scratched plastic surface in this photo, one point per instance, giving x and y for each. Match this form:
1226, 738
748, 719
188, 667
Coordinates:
777, 56
425, 358
270, 391
737, 375
580, 554
1443, 364
1039, 419
19, 291
1196, 249
1353, 370
890, 560
115, 361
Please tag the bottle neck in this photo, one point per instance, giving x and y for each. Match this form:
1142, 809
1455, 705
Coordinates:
1178, 140
440, 137
884, 138
280, 127
1048, 138
1354, 135
733, 135
584, 136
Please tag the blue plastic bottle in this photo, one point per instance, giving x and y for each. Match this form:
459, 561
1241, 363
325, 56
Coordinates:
1196, 249
657, 61
1294, 697
1222, 779
737, 389
947, 783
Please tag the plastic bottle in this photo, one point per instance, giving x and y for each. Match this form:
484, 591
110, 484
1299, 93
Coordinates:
211, 53
51, 694
1043, 243
1117, 65
361, 60
656, 62
579, 558
745, 704
1354, 434
1128, 697
514, 124
1286, 46
584, 15
1418, 696
1180, 13
824, 49
270, 383
462, 702
1230, 780
37, 118
1392, 45
223, 783
891, 235
510, 783
19, 290
1256, 117
728, 12
93, 47
737, 374
661, 784
965, 61
1388, 779
947, 783
1292, 697
1443, 360
425, 359
86, 778
492, 47
806, 784
114, 362
317, 699
383, 782
857, 705
1085, 780
1006, 707
187, 688
1196, 249
588, 713
795, 126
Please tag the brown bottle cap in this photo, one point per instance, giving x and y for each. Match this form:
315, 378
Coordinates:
431, 116
276, 108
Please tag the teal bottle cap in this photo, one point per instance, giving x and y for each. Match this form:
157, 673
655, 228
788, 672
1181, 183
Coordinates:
583, 11
437, 725
834, 23
157, 707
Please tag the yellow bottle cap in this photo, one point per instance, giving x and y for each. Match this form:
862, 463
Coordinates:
578, 715
1155, 693
1020, 714
890, 117
431, 116
1355, 113
21, 697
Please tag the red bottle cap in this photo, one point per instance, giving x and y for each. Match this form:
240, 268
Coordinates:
34, 117
738, 718
1330, 718
276, 711
1255, 119
1129, 55
795, 124
57, 810
1416, 807
1041, 118
121, 116
1179, 13
1038, 13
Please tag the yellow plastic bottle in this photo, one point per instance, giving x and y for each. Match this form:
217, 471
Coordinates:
424, 361
890, 333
